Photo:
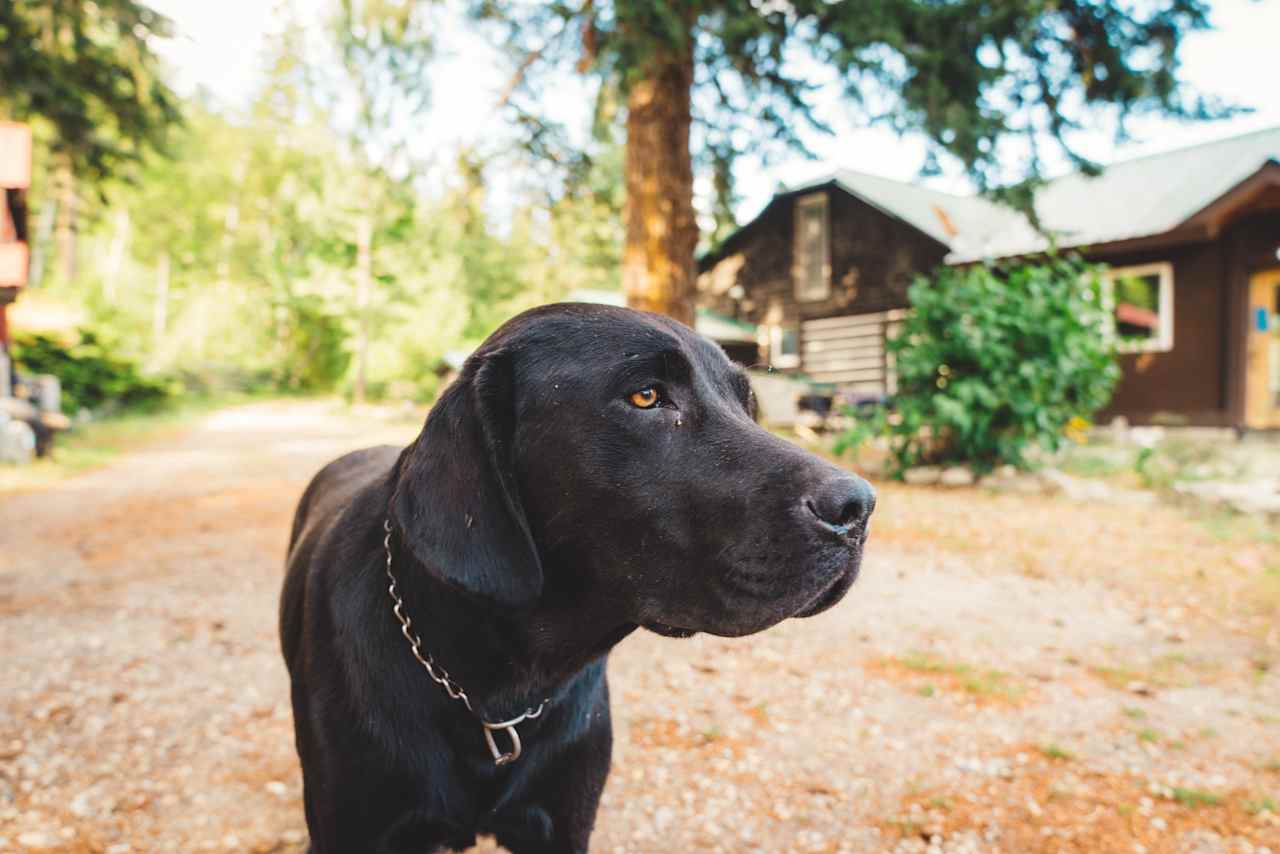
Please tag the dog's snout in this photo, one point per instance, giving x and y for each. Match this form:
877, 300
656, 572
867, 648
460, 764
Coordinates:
842, 502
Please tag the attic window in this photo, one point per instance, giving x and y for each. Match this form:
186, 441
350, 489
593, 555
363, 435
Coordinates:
1140, 300
784, 347
812, 267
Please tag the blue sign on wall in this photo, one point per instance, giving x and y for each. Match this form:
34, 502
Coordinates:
1261, 319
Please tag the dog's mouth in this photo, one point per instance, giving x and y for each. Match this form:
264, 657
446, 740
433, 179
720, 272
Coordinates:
826, 598
669, 631
832, 593
756, 609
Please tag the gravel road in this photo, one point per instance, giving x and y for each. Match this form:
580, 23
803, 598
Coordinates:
1010, 674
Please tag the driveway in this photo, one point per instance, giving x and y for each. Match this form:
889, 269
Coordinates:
1010, 674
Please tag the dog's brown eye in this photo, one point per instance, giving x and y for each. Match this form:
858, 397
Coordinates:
645, 398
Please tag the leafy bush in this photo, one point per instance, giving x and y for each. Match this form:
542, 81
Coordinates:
92, 375
993, 362
316, 356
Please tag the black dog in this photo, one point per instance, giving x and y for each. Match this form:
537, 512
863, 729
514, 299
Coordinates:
592, 470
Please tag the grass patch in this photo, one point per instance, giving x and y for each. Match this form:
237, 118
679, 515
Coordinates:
97, 443
922, 662
1167, 671
1229, 527
1118, 677
982, 683
1264, 593
907, 827
1254, 806
992, 683
1081, 462
1054, 751
1196, 798
1148, 735
1134, 713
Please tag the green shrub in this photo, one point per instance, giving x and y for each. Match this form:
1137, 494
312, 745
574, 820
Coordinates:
92, 375
993, 362
315, 355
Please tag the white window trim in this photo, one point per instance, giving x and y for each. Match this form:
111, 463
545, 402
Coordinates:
798, 282
778, 359
1163, 341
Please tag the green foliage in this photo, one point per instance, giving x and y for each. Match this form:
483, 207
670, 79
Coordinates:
993, 362
259, 269
315, 357
866, 425
967, 74
92, 374
89, 71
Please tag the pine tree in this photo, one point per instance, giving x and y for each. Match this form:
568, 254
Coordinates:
88, 71
967, 74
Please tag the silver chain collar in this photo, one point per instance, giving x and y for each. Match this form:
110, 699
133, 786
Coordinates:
441, 676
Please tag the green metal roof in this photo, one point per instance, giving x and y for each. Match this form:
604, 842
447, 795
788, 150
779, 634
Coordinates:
1136, 198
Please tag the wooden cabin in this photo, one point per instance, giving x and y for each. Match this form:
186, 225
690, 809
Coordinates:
1191, 238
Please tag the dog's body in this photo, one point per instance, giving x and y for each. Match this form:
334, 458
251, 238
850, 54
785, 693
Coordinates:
592, 470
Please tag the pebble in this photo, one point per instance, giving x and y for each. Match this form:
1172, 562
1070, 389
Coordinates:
37, 839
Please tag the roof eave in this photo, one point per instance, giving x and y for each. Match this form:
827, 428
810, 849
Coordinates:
1215, 214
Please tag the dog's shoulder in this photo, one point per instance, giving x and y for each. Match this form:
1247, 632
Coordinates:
334, 486
345, 489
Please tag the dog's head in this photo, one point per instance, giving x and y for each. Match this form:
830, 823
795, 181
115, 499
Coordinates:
591, 451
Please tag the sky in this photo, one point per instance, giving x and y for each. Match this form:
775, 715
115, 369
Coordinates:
220, 47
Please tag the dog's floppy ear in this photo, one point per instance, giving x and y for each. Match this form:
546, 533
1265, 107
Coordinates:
455, 505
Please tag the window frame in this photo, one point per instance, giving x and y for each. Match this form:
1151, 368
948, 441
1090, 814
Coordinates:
778, 359
798, 268
1163, 340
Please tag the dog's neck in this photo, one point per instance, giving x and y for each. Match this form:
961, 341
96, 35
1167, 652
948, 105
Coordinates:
507, 660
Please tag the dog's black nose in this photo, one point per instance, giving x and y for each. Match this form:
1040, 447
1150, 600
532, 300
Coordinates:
842, 502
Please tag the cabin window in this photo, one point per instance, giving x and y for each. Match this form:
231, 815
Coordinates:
784, 346
812, 268
1140, 301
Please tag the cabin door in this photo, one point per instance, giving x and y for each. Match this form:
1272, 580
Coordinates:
1262, 380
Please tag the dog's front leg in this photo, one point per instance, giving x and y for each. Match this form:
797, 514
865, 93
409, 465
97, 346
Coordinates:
556, 810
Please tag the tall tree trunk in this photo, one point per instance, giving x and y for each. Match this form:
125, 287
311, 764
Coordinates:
115, 255
230, 223
40, 243
662, 234
364, 282
160, 312
65, 229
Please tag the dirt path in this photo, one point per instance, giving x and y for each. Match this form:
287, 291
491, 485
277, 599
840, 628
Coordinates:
1010, 674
